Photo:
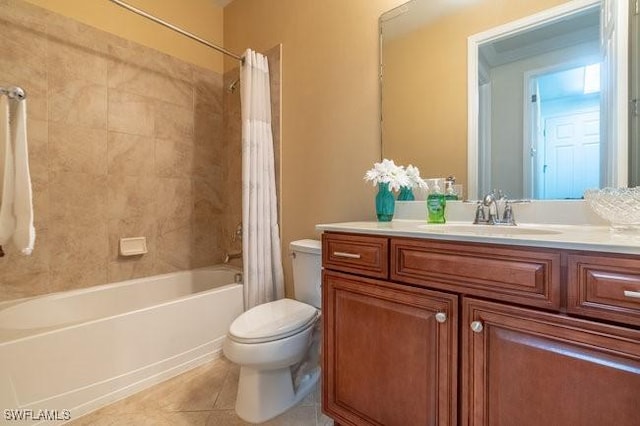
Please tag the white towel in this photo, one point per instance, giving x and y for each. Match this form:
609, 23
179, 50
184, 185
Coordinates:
7, 184
24, 235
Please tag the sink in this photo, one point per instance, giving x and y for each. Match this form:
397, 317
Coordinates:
488, 230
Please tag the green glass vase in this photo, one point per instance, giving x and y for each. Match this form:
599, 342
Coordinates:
385, 203
406, 194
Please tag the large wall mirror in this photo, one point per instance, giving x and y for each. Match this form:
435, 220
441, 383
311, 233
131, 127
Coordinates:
530, 96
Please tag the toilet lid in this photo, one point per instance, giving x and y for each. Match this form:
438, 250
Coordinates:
272, 321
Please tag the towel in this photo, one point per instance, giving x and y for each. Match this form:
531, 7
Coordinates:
7, 175
24, 235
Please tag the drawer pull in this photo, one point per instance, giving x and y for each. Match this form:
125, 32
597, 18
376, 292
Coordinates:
441, 317
346, 255
476, 326
633, 294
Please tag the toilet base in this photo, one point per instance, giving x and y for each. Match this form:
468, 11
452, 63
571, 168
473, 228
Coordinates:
264, 394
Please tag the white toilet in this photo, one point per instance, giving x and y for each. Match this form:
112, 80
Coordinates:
268, 340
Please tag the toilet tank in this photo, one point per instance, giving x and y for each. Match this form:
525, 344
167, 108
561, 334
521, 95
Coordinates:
307, 271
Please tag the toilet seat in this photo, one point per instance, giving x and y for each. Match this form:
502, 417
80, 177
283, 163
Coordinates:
272, 321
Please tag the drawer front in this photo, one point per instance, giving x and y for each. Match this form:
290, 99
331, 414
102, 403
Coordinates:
605, 287
525, 276
357, 254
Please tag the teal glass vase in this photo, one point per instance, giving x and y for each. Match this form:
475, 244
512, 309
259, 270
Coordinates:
385, 203
406, 194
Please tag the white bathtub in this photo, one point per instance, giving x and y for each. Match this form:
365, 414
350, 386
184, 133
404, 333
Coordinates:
83, 349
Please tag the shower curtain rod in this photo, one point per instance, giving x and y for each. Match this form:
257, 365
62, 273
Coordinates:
177, 29
14, 92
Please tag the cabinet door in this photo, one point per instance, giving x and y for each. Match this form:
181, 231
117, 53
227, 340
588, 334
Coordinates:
523, 367
389, 353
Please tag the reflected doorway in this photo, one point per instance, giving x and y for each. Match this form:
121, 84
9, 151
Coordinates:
564, 151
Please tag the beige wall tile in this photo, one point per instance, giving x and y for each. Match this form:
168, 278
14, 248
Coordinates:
174, 244
150, 73
130, 113
208, 89
23, 53
78, 198
130, 196
77, 102
23, 285
78, 255
77, 149
175, 198
173, 122
130, 155
131, 267
15, 264
41, 203
77, 275
67, 58
38, 146
174, 158
72, 243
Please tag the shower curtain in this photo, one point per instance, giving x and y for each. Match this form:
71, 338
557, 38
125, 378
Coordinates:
262, 262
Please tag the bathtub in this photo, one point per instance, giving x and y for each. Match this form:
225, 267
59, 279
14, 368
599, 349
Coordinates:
83, 349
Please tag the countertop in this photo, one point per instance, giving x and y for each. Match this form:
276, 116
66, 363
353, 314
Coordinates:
573, 237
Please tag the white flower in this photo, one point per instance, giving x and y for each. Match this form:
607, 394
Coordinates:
413, 174
388, 172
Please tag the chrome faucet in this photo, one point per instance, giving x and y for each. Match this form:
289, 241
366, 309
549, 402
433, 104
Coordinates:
495, 203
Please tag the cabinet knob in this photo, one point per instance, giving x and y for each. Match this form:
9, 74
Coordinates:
476, 326
441, 317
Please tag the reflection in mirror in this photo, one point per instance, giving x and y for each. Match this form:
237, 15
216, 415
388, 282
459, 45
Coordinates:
425, 81
542, 86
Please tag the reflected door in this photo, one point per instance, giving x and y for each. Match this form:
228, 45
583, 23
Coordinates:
572, 155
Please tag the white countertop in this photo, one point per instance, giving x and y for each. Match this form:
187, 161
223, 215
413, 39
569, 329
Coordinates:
574, 237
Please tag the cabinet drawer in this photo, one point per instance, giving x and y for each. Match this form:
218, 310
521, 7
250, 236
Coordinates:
605, 287
526, 276
358, 254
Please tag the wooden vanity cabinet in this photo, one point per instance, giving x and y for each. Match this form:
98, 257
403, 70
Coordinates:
389, 353
545, 336
529, 368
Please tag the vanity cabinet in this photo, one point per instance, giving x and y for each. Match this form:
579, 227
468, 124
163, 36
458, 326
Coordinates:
544, 336
528, 368
390, 352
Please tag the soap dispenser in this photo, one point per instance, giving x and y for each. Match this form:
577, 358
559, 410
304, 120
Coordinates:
449, 192
435, 202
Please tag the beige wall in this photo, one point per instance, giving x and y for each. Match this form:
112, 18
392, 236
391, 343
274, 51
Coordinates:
330, 107
123, 141
201, 17
425, 108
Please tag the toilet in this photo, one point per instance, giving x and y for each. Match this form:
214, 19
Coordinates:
269, 342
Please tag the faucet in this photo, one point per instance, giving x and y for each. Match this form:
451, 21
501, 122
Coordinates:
495, 202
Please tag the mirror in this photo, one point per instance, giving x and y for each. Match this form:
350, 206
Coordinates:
429, 95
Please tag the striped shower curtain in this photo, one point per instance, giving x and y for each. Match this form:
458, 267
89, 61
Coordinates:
262, 261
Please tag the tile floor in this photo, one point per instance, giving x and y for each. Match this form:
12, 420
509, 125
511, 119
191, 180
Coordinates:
204, 396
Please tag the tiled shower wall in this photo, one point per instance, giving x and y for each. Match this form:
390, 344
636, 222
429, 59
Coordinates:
124, 141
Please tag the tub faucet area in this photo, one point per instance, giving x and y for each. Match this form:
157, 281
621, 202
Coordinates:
233, 255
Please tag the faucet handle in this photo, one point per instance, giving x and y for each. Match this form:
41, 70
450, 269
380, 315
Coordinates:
480, 216
507, 217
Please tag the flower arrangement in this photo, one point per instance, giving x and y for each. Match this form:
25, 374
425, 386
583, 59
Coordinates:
389, 177
396, 176
413, 173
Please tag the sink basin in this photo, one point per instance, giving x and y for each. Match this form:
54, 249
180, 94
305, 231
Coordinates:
488, 230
